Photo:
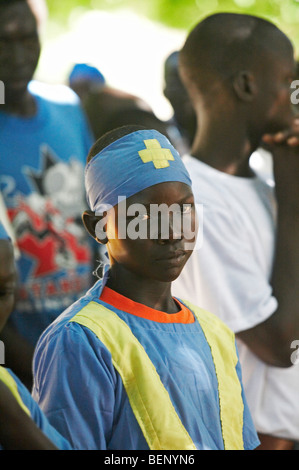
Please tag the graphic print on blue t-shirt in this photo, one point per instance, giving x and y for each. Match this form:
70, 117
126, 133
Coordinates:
50, 234
41, 180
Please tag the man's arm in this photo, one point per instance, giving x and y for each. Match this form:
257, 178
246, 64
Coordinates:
17, 430
271, 340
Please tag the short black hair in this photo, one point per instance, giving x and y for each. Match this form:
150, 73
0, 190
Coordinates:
110, 137
222, 43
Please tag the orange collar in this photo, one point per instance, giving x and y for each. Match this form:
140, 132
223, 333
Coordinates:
120, 302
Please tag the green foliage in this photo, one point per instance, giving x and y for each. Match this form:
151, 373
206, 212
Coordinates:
184, 14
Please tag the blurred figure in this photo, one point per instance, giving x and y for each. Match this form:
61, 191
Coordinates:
184, 117
103, 106
238, 70
84, 78
107, 107
44, 142
23, 426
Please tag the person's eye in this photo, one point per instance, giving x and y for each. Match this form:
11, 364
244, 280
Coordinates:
140, 217
6, 293
143, 217
186, 209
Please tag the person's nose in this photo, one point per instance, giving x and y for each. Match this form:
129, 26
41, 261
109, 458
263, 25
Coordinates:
170, 230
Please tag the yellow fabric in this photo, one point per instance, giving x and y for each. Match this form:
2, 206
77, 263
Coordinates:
154, 153
229, 387
148, 397
8, 380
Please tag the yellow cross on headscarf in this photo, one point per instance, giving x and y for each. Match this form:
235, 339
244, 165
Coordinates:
156, 154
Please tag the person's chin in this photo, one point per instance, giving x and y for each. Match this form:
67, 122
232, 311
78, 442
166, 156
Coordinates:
16, 89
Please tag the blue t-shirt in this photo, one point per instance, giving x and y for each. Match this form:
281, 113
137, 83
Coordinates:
38, 416
3, 232
42, 161
83, 396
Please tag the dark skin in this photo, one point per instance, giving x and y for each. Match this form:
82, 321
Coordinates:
256, 104
227, 146
19, 55
17, 430
140, 269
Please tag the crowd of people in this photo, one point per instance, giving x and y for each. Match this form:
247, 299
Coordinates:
119, 341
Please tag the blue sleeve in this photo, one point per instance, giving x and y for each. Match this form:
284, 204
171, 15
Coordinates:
87, 134
39, 418
75, 385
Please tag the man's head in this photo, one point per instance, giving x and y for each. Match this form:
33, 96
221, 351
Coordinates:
234, 59
19, 47
84, 77
140, 194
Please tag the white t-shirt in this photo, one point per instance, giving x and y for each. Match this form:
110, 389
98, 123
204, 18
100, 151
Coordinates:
229, 274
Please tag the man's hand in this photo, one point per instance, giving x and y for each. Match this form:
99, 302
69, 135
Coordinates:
289, 136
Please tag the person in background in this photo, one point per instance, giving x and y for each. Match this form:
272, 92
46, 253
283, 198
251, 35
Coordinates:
182, 125
238, 70
85, 78
44, 138
23, 426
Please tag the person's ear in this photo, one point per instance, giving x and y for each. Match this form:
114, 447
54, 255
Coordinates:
244, 85
95, 226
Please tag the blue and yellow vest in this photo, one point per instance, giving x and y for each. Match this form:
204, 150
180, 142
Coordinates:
149, 399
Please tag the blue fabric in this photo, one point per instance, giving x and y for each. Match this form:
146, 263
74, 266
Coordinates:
86, 72
3, 233
83, 396
42, 160
119, 172
38, 416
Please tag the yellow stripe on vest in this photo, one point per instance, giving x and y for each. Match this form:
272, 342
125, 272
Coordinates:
150, 401
8, 380
229, 387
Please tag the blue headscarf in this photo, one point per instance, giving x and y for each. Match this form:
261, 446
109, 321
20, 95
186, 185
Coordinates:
86, 71
129, 165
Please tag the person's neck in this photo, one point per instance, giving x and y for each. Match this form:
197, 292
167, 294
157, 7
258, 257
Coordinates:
225, 147
153, 294
23, 106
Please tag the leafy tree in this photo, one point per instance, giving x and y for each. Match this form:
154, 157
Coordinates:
183, 14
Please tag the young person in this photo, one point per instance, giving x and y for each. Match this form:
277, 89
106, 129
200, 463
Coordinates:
23, 425
238, 70
128, 366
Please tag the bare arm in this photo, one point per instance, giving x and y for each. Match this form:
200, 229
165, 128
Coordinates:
271, 340
17, 430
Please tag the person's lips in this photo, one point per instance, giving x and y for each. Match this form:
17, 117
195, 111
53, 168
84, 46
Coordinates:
174, 258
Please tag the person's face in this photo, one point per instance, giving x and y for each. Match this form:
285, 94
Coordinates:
7, 281
150, 243
19, 48
275, 92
